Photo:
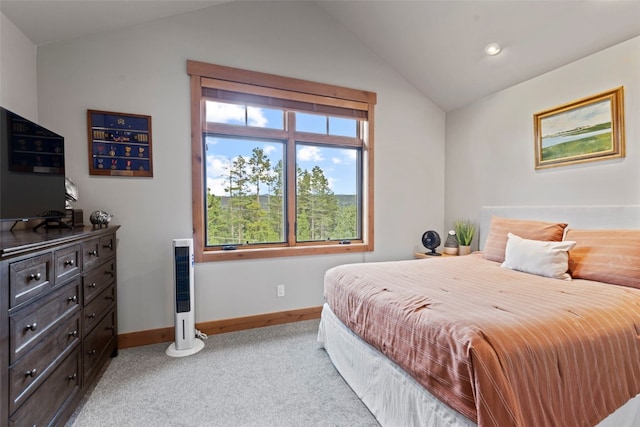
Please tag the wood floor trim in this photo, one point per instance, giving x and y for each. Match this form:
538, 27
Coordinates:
155, 336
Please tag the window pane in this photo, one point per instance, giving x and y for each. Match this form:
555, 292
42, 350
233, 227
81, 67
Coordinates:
265, 117
343, 127
327, 193
244, 179
222, 112
311, 123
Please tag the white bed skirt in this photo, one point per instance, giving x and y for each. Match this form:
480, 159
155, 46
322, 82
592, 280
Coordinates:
396, 399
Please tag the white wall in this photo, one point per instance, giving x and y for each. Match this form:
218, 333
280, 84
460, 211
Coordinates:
490, 147
18, 83
142, 70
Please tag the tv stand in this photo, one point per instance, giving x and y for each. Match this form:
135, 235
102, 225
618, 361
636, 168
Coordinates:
16, 223
52, 223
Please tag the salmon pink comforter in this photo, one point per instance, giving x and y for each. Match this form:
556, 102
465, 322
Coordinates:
501, 347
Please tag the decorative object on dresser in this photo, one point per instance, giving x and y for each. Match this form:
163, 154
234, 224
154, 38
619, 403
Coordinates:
100, 218
70, 193
59, 320
73, 217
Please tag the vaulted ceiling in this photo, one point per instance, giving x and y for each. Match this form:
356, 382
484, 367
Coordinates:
436, 45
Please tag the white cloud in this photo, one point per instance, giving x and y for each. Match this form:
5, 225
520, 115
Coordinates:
332, 182
268, 149
217, 171
218, 112
256, 117
310, 153
336, 160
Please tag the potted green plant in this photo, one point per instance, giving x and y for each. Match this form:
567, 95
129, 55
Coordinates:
465, 230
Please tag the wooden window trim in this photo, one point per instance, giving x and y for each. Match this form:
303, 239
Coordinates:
254, 78
287, 95
207, 75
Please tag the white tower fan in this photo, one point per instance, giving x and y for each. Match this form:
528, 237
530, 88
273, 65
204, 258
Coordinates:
186, 342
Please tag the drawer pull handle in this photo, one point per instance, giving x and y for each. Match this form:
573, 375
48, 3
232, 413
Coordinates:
31, 327
93, 253
110, 297
92, 285
108, 246
35, 276
92, 316
32, 373
70, 262
72, 377
73, 334
109, 272
110, 328
91, 352
73, 298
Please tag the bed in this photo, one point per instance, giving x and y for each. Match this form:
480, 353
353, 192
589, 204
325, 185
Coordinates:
542, 327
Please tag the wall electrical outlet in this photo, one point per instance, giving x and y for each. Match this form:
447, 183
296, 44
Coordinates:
280, 291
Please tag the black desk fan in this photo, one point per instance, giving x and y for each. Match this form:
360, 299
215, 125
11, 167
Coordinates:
431, 240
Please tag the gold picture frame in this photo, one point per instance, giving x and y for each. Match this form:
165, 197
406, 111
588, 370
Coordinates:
581, 131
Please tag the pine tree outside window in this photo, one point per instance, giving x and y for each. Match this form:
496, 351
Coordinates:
281, 166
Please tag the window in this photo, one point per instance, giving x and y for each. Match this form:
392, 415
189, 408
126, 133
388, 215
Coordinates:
281, 166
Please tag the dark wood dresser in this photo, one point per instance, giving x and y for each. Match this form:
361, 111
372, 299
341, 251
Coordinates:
59, 320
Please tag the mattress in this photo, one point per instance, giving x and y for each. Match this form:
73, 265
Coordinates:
498, 346
396, 399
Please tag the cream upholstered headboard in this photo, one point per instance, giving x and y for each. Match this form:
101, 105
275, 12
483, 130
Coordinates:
586, 217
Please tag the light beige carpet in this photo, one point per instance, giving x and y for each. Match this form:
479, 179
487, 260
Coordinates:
273, 376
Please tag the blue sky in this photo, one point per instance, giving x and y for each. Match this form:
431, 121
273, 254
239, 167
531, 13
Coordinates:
338, 164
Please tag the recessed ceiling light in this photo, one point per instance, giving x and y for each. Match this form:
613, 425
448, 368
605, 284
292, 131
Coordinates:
492, 49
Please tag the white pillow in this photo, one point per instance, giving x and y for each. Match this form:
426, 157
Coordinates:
549, 259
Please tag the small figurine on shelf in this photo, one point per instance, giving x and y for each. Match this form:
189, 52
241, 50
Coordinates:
451, 244
100, 218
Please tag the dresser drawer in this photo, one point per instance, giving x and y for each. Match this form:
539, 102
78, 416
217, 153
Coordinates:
98, 279
33, 368
108, 246
97, 307
29, 278
97, 342
30, 324
67, 263
44, 403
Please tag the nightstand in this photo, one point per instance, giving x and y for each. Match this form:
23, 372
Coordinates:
423, 255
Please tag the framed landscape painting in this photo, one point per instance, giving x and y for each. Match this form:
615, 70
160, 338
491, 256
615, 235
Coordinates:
581, 131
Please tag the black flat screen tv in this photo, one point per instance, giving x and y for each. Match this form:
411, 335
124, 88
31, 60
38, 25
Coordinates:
32, 177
